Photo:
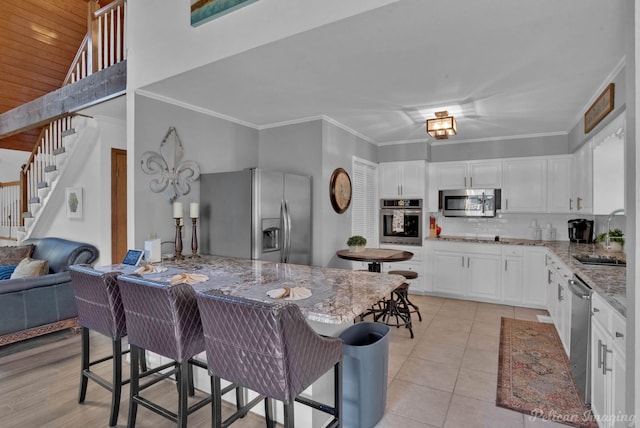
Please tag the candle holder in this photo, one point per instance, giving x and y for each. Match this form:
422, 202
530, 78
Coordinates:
194, 238
178, 239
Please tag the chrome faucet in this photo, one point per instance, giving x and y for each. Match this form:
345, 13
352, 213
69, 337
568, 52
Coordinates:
607, 239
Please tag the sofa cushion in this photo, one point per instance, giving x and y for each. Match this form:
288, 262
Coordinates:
29, 267
6, 271
13, 255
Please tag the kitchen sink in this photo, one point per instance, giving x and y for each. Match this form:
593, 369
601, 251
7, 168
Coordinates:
600, 260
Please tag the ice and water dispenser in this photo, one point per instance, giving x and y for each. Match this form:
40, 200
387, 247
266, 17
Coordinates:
270, 234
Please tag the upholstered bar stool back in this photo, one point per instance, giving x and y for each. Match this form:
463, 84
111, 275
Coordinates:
164, 319
100, 309
268, 348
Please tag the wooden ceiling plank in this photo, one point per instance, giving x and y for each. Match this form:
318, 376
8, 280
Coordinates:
28, 36
10, 71
37, 65
91, 90
77, 8
26, 53
59, 24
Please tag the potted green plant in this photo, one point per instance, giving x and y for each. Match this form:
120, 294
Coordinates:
616, 240
356, 243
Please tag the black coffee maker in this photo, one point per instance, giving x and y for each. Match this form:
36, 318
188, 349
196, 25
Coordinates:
581, 231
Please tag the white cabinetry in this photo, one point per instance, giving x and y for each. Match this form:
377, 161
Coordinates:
608, 348
524, 187
512, 273
467, 270
472, 175
534, 286
415, 264
559, 298
402, 179
559, 184
582, 180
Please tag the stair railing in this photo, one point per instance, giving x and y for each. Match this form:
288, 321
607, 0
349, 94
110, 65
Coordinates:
105, 42
41, 161
9, 209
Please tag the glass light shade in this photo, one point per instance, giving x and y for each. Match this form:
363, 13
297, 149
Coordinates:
442, 126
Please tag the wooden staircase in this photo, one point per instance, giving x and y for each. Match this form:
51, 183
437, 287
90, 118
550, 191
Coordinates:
23, 201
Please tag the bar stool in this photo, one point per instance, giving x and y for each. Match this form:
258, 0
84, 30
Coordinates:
163, 319
408, 274
270, 349
100, 309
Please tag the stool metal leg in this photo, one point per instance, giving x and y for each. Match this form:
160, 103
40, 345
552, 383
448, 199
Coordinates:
183, 393
116, 383
84, 363
288, 415
134, 386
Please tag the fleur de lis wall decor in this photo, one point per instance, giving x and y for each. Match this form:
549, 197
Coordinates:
175, 174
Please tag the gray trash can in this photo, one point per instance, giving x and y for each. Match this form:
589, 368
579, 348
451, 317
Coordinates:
364, 378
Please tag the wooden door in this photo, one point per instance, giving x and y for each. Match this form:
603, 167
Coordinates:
118, 204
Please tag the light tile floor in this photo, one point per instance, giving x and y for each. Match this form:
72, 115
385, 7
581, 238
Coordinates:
447, 375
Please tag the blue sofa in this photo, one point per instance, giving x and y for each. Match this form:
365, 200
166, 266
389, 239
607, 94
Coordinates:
39, 305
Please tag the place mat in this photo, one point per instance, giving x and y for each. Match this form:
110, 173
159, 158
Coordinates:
188, 278
150, 269
534, 375
286, 293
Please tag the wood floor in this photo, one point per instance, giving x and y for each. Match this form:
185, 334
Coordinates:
39, 388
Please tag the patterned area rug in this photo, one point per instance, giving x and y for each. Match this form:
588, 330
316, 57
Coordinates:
534, 376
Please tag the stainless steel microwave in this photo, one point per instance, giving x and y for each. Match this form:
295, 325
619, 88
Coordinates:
469, 202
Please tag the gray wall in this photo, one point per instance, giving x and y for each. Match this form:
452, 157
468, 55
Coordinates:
404, 152
522, 147
577, 137
316, 148
215, 144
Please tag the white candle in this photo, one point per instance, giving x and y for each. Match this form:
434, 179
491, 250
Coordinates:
194, 210
177, 210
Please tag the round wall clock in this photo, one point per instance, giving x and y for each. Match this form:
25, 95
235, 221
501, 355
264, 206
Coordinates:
340, 190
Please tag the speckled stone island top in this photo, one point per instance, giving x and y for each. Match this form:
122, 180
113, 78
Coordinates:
338, 295
609, 282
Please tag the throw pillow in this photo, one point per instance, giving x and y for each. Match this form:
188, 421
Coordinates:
6, 271
13, 255
30, 267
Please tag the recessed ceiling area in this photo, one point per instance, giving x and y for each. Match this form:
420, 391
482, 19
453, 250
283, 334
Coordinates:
515, 69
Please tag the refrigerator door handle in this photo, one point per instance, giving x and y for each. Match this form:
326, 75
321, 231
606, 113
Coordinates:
287, 232
283, 219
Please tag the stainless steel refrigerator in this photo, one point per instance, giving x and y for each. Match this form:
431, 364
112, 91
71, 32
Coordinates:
256, 214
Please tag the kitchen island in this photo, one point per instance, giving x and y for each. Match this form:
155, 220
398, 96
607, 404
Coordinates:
338, 296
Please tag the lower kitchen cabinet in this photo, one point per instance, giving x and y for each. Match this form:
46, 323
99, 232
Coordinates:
608, 371
415, 264
559, 299
534, 289
512, 273
467, 270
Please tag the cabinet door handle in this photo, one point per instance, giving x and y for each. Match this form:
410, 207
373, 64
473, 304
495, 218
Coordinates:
570, 204
402, 189
506, 203
599, 353
470, 181
465, 182
462, 261
604, 360
560, 297
578, 200
595, 310
467, 262
505, 265
548, 277
618, 334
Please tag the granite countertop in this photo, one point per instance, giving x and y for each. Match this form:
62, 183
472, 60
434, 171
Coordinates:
338, 295
609, 282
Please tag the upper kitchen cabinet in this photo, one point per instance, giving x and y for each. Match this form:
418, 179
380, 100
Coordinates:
559, 184
524, 187
402, 179
608, 168
581, 201
467, 175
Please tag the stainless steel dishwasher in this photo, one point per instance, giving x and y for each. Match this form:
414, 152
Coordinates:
580, 335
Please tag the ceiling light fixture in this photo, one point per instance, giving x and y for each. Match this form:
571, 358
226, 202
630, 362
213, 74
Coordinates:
443, 126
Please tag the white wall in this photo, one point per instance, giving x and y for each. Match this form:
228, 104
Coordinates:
90, 169
10, 163
162, 42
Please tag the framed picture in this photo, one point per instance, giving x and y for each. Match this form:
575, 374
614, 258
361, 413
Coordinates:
73, 202
205, 10
599, 109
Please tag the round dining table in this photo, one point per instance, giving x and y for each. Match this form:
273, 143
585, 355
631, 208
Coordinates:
375, 256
